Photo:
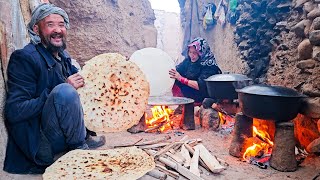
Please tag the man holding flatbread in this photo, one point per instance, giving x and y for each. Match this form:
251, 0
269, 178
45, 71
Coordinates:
43, 111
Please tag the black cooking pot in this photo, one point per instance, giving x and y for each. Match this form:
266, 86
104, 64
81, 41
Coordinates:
270, 102
222, 86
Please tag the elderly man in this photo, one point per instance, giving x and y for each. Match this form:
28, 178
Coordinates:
43, 112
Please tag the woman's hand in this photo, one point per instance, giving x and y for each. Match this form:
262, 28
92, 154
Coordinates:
76, 80
174, 74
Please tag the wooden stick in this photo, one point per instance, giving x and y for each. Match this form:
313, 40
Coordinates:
153, 146
127, 145
155, 127
154, 141
182, 170
184, 138
176, 158
150, 152
185, 153
194, 142
165, 170
157, 174
147, 177
210, 160
190, 149
167, 148
194, 162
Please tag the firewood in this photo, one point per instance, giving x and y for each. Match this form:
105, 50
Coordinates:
155, 127
185, 153
191, 150
182, 170
154, 141
194, 162
127, 145
157, 174
175, 157
184, 138
150, 152
173, 174
153, 146
167, 148
147, 177
210, 160
177, 154
194, 142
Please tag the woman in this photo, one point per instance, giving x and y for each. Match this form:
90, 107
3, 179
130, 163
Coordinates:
190, 74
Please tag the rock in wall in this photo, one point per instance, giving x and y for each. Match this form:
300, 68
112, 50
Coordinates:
99, 26
295, 63
258, 23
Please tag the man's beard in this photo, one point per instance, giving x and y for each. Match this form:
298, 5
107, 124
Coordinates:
50, 46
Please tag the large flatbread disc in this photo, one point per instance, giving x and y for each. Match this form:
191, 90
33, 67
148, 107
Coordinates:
155, 64
117, 164
115, 94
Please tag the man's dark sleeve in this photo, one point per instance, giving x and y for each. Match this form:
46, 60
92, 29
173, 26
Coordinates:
22, 103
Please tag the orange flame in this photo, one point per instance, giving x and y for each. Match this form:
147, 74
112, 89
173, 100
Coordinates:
264, 144
221, 117
160, 117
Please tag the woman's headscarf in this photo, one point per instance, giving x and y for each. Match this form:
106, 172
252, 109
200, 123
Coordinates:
203, 49
39, 13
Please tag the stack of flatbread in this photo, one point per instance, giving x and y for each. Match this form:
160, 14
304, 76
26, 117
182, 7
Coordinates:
119, 164
115, 94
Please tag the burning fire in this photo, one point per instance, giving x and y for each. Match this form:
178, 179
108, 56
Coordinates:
160, 118
264, 145
226, 121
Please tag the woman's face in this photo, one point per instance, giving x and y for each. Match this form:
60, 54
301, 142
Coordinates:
193, 54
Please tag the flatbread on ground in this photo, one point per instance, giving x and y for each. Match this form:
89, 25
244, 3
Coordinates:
115, 94
119, 164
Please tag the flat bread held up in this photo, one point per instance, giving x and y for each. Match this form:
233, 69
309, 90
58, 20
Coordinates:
117, 164
115, 94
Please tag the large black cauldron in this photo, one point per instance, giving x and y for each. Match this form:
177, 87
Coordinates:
270, 102
222, 86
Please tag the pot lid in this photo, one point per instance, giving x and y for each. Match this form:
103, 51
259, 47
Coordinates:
227, 77
268, 90
168, 100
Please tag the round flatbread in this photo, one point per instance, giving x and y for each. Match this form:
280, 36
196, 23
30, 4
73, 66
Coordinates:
155, 64
115, 94
118, 164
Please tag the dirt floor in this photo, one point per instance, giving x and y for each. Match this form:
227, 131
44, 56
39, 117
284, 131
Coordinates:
218, 144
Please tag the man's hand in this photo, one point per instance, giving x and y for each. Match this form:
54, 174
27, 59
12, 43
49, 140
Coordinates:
76, 80
174, 74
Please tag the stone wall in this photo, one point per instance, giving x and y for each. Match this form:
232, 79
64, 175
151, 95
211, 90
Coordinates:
258, 24
295, 63
99, 26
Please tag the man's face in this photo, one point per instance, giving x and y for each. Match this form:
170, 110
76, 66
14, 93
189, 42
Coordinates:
52, 32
